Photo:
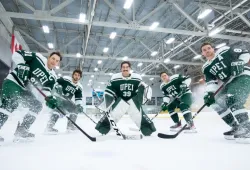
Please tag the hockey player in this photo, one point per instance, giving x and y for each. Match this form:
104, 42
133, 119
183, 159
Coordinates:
67, 88
126, 93
177, 88
228, 63
34, 68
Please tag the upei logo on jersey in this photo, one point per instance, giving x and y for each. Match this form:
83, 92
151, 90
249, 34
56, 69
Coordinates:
70, 89
40, 75
127, 86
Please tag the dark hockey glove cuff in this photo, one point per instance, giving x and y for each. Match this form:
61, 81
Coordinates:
209, 99
237, 67
51, 102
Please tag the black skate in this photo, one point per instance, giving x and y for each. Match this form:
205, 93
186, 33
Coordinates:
243, 134
22, 134
190, 128
51, 131
176, 127
1, 139
229, 135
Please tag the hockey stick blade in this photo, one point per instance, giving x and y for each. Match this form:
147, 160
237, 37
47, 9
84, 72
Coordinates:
166, 136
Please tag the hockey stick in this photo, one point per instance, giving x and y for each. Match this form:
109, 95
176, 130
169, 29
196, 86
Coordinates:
166, 136
93, 139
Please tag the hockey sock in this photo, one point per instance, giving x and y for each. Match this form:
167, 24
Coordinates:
73, 117
240, 114
53, 119
3, 119
187, 116
174, 116
28, 120
227, 117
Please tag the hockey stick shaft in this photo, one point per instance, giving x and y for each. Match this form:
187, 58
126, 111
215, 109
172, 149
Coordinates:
161, 135
93, 139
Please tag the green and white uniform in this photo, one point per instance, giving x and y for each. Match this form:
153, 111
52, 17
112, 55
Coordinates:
69, 95
16, 92
181, 99
126, 95
229, 102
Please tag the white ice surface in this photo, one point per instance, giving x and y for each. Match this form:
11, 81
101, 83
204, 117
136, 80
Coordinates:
206, 150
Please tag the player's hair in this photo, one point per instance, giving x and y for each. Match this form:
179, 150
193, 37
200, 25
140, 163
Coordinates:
56, 53
163, 73
77, 71
126, 62
206, 43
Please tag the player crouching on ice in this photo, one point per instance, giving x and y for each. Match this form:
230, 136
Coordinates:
16, 89
228, 63
177, 88
126, 93
67, 88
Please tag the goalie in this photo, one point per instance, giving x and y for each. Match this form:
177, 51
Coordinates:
126, 93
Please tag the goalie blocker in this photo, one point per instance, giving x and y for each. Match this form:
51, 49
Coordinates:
119, 104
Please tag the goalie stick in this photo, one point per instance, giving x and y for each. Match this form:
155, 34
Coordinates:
166, 136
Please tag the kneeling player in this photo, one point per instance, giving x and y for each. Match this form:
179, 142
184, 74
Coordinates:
229, 102
67, 88
126, 93
177, 87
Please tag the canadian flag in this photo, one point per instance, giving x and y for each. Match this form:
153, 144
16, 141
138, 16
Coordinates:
15, 45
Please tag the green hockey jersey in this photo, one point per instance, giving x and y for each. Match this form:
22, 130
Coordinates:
70, 90
123, 87
40, 74
219, 67
172, 88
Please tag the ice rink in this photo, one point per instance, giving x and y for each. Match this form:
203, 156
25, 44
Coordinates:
206, 150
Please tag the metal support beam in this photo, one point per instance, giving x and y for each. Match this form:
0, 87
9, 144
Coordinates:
145, 46
123, 26
129, 44
44, 5
60, 6
152, 12
120, 14
237, 32
120, 58
102, 74
27, 5
92, 14
244, 19
188, 16
35, 41
70, 42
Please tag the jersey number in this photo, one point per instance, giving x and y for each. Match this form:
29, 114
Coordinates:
222, 75
173, 93
126, 93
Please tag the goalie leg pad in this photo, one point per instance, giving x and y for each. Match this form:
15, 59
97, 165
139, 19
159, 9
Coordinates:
139, 117
147, 126
119, 108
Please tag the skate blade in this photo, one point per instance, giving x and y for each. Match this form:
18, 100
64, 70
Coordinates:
50, 133
22, 140
190, 131
242, 140
229, 137
175, 130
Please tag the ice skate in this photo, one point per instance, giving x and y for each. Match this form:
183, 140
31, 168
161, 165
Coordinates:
243, 134
190, 128
1, 139
176, 127
23, 135
51, 131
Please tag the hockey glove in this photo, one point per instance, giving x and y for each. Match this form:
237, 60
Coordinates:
209, 98
237, 67
164, 107
183, 88
79, 108
51, 102
23, 72
59, 89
